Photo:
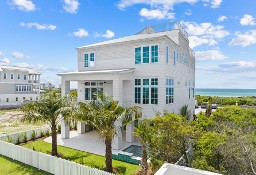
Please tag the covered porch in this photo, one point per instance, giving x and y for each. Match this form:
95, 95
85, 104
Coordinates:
117, 83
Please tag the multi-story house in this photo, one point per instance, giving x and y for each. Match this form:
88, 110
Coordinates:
154, 69
18, 84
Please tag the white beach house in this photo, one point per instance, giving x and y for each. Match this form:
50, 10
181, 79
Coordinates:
154, 69
18, 84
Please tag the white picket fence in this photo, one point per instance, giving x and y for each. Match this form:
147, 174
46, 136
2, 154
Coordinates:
46, 162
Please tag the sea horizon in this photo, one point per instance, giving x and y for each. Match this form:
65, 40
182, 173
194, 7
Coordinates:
225, 92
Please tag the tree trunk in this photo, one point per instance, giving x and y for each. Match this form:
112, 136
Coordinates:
108, 155
54, 141
144, 161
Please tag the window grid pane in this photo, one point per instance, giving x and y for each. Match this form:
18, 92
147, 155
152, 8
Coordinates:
145, 81
146, 54
145, 95
154, 54
86, 60
169, 91
154, 95
137, 55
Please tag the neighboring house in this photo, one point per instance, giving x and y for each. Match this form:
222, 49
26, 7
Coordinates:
47, 86
18, 84
153, 69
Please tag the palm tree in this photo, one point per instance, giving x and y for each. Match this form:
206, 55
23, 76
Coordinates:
184, 112
142, 132
50, 109
103, 114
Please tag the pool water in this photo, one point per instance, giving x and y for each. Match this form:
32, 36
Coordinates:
135, 150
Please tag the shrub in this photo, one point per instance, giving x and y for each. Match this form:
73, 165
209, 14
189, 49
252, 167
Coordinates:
9, 139
47, 133
121, 169
18, 140
25, 137
42, 133
33, 135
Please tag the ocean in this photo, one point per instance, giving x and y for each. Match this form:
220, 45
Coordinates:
225, 92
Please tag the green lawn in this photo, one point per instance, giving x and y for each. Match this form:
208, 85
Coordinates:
11, 167
81, 157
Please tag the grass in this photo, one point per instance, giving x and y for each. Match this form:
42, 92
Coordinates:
85, 158
12, 167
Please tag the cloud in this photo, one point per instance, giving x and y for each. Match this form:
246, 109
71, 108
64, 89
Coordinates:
213, 3
109, 34
24, 5
247, 20
1, 52
38, 26
195, 41
204, 33
167, 4
81, 33
19, 55
188, 12
5, 61
244, 39
238, 67
25, 65
71, 6
222, 18
156, 14
210, 55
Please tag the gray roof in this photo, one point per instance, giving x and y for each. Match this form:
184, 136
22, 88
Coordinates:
14, 68
138, 36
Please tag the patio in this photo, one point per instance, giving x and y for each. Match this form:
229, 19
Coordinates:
89, 142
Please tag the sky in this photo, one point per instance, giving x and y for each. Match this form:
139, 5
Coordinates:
44, 34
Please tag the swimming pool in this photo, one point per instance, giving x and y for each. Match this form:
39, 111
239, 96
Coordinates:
134, 149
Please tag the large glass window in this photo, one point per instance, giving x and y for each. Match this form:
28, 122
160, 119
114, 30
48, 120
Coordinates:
86, 60
146, 54
147, 89
169, 90
23, 88
91, 90
138, 55
154, 54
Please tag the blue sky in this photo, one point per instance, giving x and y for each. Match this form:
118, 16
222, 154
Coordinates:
44, 34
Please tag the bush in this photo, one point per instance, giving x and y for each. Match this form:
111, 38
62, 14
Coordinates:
47, 133
33, 135
18, 140
121, 169
9, 139
42, 133
25, 137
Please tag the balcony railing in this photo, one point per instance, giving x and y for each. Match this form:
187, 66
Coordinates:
33, 81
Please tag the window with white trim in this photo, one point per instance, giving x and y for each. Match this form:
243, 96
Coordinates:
18, 76
23, 88
147, 90
12, 76
5, 76
169, 90
146, 54
91, 89
89, 60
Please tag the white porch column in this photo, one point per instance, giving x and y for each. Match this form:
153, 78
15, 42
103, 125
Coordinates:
80, 128
64, 130
117, 141
65, 88
118, 90
129, 132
